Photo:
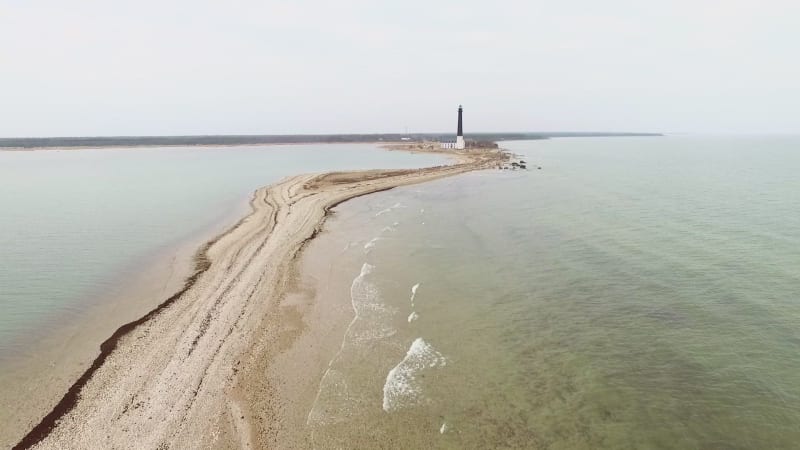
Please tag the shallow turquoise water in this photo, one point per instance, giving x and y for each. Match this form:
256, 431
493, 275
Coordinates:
634, 293
72, 221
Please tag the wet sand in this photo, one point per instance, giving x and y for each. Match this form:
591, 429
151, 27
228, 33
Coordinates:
192, 372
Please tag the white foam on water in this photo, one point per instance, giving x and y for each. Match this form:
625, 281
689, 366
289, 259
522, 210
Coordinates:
389, 209
402, 388
366, 299
366, 269
371, 243
396, 224
369, 305
333, 390
443, 429
371, 331
414, 293
361, 292
413, 316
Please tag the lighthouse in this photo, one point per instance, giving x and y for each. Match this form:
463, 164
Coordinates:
459, 143
460, 135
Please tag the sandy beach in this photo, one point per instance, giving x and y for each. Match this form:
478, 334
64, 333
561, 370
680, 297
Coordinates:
190, 373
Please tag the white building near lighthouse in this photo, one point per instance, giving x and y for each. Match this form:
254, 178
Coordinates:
459, 143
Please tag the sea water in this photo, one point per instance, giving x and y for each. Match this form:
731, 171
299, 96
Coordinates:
633, 293
74, 223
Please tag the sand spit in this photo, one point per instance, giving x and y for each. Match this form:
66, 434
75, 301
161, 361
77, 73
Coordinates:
186, 374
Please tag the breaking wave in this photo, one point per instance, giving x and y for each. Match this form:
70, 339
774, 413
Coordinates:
414, 293
335, 401
371, 243
373, 317
402, 387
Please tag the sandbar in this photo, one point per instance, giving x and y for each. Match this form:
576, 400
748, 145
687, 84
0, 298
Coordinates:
187, 374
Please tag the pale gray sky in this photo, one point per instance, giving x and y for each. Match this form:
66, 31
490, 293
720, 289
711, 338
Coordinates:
162, 67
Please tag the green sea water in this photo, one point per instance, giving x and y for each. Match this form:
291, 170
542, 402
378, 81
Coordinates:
74, 223
633, 293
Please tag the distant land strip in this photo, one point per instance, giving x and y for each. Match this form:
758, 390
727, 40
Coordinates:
141, 141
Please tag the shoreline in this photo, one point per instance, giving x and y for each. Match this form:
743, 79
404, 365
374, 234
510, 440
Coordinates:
154, 146
313, 196
119, 142
59, 351
196, 264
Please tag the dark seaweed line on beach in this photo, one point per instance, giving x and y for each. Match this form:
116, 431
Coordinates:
70, 399
202, 264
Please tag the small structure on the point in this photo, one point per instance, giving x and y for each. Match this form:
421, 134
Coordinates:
459, 143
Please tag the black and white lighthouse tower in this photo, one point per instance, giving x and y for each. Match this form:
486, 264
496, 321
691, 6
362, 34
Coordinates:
460, 135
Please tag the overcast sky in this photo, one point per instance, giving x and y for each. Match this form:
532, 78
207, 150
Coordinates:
177, 67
